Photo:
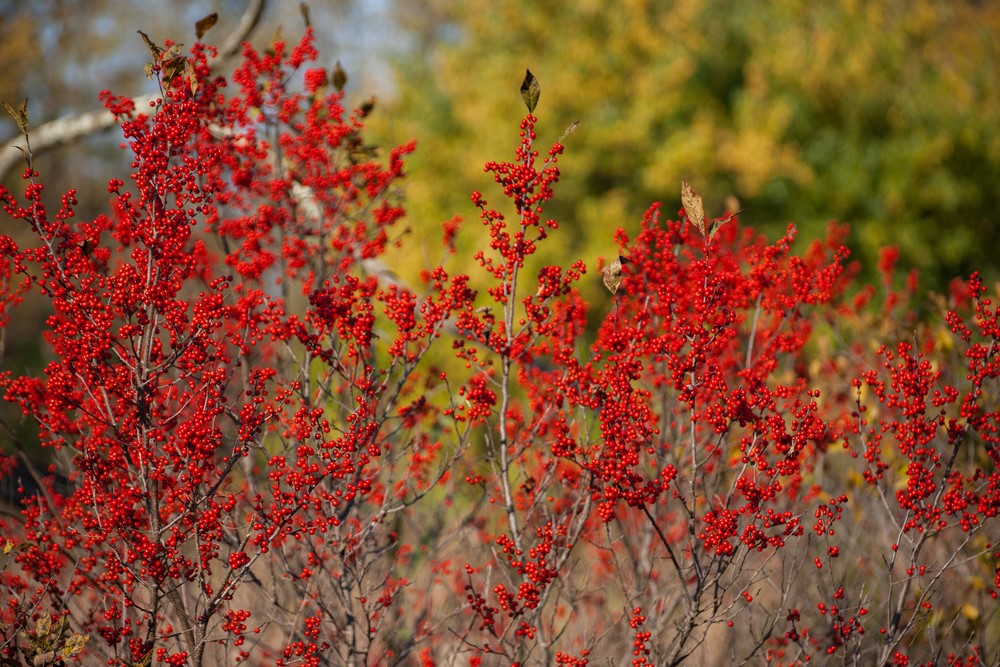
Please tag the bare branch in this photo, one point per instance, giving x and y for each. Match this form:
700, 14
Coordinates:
251, 17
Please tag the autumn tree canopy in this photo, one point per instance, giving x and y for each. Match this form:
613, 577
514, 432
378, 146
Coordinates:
881, 115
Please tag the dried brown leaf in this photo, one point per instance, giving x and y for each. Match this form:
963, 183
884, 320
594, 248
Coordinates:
153, 48
20, 115
205, 24
339, 77
717, 224
613, 273
693, 205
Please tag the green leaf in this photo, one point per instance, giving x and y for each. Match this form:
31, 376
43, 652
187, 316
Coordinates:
530, 90
205, 24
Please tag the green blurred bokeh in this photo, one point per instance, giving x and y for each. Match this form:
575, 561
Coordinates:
884, 115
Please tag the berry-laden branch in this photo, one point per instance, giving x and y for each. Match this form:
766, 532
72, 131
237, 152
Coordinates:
239, 404
63, 131
590, 430
691, 427
262, 452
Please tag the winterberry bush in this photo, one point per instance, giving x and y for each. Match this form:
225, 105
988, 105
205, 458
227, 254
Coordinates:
277, 452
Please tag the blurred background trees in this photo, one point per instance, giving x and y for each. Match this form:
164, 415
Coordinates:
879, 114
60, 54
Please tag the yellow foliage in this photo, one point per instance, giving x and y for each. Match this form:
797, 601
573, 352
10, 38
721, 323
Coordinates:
866, 112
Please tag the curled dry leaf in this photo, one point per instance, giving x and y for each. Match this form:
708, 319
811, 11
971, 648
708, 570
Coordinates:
205, 24
717, 224
613, 273
154, 50
693, 205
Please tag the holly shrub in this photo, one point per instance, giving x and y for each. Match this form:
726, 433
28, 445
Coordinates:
268, 448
